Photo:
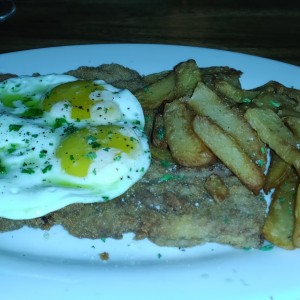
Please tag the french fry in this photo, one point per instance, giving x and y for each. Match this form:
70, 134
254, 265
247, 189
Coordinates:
153, 95
186, 148
233, 93
216, 187
279, 226
294, 124
187, 75
161, 154
212, 74
273, 132
296, 233
166, 86
277, 173
153, 77
207, 103
230, 153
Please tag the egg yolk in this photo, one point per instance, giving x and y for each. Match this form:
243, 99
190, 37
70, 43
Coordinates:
77, 93
79, 149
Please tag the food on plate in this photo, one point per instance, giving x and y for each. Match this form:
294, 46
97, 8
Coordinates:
296, 232
186, 148
170, 206
209, 159
276, 174
279, 226
64, 141
273, 132
229, 152
207, 103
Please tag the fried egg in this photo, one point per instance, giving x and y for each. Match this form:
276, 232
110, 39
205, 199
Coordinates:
65, 140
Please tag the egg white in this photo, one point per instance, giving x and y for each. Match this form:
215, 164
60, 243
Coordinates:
33, 179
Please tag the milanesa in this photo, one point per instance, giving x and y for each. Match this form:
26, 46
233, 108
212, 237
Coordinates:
170, 205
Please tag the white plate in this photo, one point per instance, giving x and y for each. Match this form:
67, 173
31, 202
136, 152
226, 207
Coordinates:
55, 265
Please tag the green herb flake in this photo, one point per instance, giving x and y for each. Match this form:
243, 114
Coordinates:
159, 256
105, 198
47, 169
275, 103
59, 122
103, 240
43, 153
12, 148
27, 171
117, 157
136, 122
267, 247
70, 129
91, 155
94, 171
161, 134
260, 163
166, 164
169, 177
14, 127
2, 169
263, 150
247, 100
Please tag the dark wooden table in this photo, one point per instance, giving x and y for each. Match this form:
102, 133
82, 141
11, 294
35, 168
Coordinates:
262, 28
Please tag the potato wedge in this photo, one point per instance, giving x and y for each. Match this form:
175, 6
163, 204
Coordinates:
230, 153
216, 187
161, 154
234, 94
207, 103
212, 74
273, 132
294, 124
276, 174
296, 234
186, 148
153, 95
166, 86
279, 226
159, 138
153, 77
187, 75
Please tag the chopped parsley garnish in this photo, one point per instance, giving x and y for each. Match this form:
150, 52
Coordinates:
117, 158
43, 153
47, 168
13, 148
14, 127
260, 162
267, 247
28, 171
247, 100
161, 134
169, 177
91, 155
60, 122
275, 103
2, 169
